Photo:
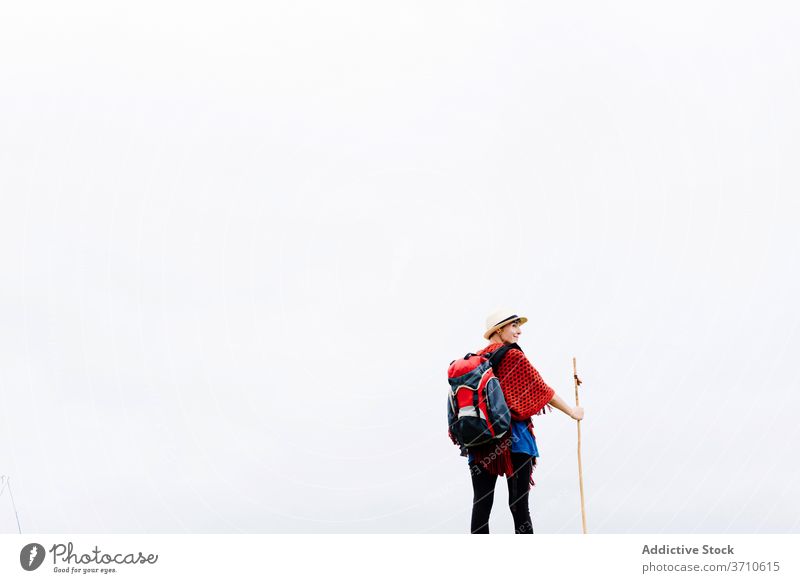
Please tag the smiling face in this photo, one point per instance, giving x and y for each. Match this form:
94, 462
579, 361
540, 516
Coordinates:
509, 334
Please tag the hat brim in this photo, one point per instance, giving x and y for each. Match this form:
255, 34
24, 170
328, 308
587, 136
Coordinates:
496, 327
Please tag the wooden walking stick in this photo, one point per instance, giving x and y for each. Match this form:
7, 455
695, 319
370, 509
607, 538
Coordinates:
580, 466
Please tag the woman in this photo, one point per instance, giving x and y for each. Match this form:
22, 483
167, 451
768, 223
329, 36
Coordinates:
515, 455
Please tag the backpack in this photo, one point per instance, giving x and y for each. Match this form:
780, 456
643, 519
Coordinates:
477, 412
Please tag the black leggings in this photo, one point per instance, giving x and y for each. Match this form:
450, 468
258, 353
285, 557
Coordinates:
518, 488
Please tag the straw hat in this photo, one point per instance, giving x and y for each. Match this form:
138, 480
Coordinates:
500, 318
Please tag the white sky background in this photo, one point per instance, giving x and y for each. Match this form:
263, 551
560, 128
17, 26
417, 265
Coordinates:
241, 243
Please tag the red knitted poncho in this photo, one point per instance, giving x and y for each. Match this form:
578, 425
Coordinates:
526, 395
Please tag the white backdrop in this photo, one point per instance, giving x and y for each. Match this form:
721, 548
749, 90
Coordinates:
241, 242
